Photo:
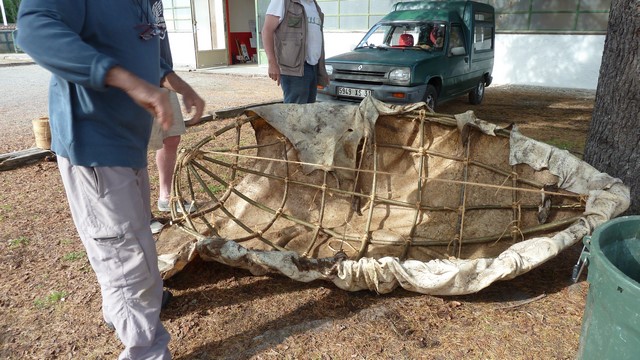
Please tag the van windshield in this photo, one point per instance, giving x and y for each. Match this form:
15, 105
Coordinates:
414, 35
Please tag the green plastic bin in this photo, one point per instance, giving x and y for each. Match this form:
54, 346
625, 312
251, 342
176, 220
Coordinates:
611, 321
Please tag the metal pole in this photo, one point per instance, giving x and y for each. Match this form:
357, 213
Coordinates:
4, 14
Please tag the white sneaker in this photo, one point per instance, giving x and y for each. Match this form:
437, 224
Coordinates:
163, 205
156, 226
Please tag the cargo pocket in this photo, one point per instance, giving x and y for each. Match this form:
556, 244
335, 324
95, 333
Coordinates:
120, 261
295, 21
91, 183
291, 50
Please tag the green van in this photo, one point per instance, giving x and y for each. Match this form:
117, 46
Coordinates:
430, 51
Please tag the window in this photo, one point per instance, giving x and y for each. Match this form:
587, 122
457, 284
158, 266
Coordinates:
177, 15
354, 14
483, 16
484, 38
483, 29
457, 38
418, 36
558, 16
512, 16
564, 16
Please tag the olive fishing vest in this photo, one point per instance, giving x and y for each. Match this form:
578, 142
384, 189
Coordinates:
290, 41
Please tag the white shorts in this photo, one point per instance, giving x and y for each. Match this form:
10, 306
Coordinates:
158, 135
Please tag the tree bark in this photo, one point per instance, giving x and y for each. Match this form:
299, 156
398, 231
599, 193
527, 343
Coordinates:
612, 142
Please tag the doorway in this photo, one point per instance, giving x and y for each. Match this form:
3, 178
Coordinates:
210, 38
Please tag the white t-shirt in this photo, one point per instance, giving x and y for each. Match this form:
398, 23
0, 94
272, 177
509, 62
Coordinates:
314, 30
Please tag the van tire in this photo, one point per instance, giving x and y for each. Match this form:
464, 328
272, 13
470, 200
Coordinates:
477, 94
431, 97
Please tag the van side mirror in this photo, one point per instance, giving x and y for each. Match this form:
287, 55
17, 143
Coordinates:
457, 51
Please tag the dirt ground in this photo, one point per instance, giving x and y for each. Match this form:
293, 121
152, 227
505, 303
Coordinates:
50, 304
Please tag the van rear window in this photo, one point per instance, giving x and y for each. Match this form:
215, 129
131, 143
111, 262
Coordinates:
483, 38
484, 16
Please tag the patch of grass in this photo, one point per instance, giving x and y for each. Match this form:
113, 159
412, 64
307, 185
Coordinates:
564, 144
50, 300
20, 241
217, 188
73, 256
5, 208
66, 242
574, 147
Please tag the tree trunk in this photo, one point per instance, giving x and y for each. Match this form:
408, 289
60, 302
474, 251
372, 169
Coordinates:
612, 143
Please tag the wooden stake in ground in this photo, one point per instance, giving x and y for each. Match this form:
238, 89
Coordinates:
20, 158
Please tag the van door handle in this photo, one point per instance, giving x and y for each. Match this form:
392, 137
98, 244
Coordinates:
466, 59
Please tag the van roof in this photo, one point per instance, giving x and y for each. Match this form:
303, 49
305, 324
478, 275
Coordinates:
428, 5
437, 10
435, 5
413, 15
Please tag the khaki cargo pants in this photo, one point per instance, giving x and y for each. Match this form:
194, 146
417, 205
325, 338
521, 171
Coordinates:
111, 210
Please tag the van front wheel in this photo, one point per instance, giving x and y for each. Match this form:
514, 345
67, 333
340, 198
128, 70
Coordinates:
477, 94
431, 97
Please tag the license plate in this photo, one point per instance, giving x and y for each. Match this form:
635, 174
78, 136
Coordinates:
358, 93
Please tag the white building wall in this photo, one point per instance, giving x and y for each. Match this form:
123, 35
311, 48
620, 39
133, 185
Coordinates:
183, 50
566, 61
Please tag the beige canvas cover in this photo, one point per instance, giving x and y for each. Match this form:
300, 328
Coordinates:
376, 196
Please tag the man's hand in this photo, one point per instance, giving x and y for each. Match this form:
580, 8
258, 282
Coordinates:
151, 97
161, 108
191, 100
274, 72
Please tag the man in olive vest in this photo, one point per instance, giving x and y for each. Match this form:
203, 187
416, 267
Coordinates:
294, 44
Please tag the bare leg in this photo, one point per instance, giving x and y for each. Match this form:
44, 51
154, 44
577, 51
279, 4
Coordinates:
165, 162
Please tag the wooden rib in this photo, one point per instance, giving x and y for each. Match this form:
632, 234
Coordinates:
457, 243
318, 227
424, 174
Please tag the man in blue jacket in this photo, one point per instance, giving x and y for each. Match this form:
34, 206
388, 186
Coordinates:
104, 57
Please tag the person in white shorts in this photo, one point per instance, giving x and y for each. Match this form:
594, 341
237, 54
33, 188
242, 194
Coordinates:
165, 144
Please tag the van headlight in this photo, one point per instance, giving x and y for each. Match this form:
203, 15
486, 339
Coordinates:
329, 69
401, 76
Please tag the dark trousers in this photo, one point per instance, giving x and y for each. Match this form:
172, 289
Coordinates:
301, 89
